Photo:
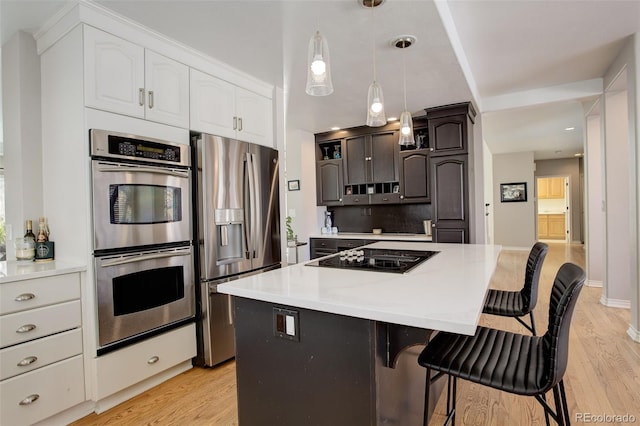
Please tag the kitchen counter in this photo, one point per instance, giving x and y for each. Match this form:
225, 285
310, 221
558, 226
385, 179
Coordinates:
12, 270
444, 293
371, 236
309, 337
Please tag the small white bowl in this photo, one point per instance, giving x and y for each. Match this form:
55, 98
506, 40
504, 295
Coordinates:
377, 231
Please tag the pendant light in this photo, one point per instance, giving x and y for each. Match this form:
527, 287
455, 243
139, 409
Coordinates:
318, 67
375, 99
406, 122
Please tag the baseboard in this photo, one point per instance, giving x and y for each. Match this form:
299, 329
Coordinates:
69, 415
615, 303
634, 333
594, 283
128, 393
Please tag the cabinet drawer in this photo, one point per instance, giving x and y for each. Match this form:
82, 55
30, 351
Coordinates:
21, 295
385, 199
349, 244
51, 389
28, 356
133, 364
24, 326
324, 243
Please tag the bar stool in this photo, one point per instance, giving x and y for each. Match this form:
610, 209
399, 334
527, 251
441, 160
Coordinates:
511, 362
517, 304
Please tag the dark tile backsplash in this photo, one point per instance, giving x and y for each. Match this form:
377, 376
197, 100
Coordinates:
391, 218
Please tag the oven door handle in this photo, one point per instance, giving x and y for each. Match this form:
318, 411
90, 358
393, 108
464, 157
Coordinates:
144, 257
116, 168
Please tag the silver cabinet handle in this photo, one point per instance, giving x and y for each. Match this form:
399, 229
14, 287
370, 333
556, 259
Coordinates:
153, 360
30, 399
240, 124
26, 328
385, 199
142, 257
27, 361
24, 297
150, 99
402, 197
141, 96
235, 123
431, 149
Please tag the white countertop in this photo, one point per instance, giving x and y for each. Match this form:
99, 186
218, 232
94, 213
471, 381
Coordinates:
445, 293
13, 270
372, 236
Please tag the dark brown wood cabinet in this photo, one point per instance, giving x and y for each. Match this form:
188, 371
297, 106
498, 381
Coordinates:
451, 139
329, 182
371, 158
449, 175
415, 182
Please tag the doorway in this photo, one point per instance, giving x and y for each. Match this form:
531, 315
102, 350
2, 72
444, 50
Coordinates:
553, 207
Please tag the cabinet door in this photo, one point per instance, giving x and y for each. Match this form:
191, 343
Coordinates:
448, 135
329, 182
167, 84
450, 197
557, 228
556, 187
383, 158
113, 73
414, 176
542, 185
213, 105
357, 160
254, 118
543, 226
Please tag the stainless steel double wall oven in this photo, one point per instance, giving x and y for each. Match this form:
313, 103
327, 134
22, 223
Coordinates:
142, 236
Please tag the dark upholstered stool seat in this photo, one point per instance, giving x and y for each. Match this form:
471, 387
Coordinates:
517, 304
508, 361
512, 362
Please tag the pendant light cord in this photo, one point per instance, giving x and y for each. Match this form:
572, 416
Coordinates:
404, 73
373, 39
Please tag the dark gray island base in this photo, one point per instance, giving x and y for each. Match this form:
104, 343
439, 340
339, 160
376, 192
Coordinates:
334, 369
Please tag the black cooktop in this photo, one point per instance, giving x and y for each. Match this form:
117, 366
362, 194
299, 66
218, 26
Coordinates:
377, 260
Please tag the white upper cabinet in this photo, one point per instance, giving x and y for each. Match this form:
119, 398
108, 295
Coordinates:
223, 109
125, 78
114, 73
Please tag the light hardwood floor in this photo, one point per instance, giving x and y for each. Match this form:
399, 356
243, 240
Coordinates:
603, 375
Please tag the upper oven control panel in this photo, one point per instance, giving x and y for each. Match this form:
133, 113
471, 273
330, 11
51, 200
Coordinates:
109, 144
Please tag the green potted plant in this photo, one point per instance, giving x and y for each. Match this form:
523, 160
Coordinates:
291, 238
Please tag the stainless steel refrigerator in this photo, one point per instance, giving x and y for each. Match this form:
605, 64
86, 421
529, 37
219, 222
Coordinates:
238, 229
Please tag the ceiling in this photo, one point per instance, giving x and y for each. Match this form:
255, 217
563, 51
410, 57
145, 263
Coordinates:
529, 65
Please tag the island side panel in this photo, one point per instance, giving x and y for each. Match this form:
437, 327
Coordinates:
327, 377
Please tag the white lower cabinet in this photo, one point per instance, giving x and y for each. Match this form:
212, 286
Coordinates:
128, 366
41, 361
31, 397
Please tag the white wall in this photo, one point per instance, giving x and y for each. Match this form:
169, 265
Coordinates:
514, 223
594, 239
22, 134
477, 194
617, 284
301, 205
488, 192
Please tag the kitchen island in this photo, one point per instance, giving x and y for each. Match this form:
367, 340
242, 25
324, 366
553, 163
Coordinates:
332, 346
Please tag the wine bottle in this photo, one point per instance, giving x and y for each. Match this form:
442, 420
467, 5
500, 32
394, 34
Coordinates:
29, 231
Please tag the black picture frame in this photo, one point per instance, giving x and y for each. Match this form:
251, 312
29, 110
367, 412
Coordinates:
513, 192
293, 185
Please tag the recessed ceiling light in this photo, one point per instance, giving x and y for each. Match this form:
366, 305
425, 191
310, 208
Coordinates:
335, 128
392, 119
569, 128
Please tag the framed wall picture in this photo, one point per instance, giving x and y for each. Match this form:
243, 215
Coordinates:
513, 192
293, 185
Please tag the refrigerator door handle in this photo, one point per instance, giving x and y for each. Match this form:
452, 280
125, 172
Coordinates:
254, 207
246, 225
252, 203
230, 309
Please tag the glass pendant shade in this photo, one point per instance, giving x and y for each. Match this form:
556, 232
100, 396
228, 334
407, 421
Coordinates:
318, 67
406, 129
375, 106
